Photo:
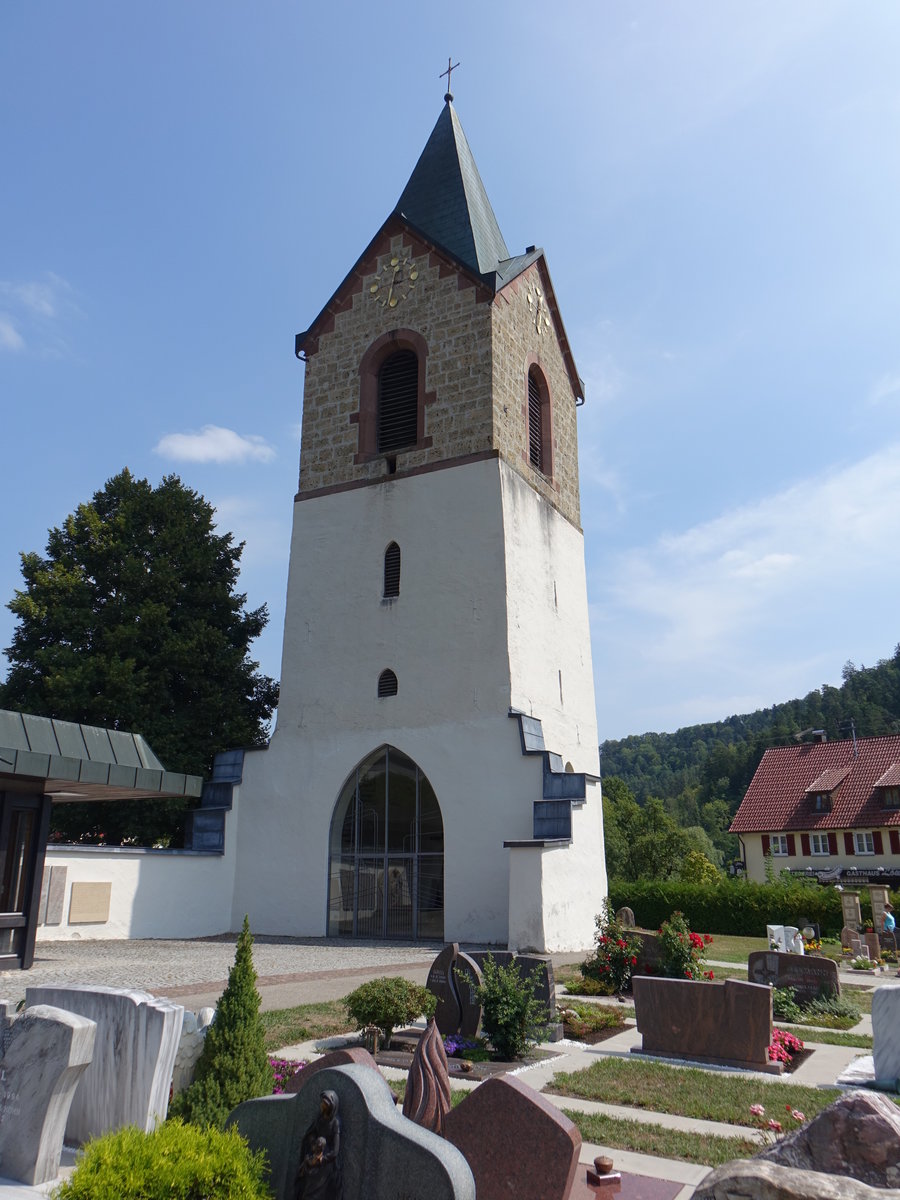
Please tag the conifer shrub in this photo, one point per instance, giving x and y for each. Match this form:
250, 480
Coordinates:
174, 1162
511, 1013
233, 1065
389, 1002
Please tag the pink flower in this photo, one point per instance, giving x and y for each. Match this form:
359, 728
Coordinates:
774, 1125
757, 1110
797, 1115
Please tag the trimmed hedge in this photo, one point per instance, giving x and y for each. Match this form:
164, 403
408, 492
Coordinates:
738, 907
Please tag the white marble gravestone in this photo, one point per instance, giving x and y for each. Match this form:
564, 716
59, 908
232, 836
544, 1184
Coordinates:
44, 1054
886, 1031
134, 1055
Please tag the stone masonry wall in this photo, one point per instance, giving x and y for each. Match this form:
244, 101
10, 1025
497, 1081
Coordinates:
453, 316
518, 342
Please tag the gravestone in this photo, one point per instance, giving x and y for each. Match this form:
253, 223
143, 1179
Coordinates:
793, 940
776, 938
852, 913
335, 1058
848, 937
625, 916
45, 1052
879, 896
427, 1097
383, 1156
128, 1081
452, 978
726, 1023
809, 977
873, 945
886, 1031
517, 1143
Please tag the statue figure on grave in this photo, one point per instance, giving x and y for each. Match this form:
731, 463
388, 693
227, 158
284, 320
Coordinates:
319, 1174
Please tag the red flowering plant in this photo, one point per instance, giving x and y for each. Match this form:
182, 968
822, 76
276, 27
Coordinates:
615, 953
784, 1046
682, 954
770, 1129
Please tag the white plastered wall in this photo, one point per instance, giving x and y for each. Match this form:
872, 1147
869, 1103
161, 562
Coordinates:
447, 638
153, 893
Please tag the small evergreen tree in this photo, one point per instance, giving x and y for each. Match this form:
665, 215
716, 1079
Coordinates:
233, 1065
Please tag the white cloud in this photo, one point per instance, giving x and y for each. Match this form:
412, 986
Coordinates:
766, 601
213, 443
888, 385
10, 338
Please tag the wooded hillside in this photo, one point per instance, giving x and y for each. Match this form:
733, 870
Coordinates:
702, 771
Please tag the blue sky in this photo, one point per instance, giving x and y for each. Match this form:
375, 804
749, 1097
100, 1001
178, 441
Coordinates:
716, 185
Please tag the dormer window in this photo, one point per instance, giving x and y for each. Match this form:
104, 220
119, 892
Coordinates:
890, 797
821, 801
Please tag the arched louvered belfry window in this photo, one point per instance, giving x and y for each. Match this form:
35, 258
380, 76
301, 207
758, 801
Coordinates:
398, 401
535, 421
387, 683
392, 571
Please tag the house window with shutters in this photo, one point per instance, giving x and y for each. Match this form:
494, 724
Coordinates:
818, 843
391, 571
778, 844
540, 435
863, 843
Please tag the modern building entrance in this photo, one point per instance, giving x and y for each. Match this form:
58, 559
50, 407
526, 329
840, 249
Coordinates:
386, 858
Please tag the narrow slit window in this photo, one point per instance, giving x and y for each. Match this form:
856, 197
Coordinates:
535, 423
392, 571
387, 683
398, 401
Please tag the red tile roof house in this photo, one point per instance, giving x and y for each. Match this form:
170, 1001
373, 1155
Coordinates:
828, 807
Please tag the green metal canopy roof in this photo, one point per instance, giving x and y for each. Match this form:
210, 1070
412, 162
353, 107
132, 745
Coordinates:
445, 199
84, 762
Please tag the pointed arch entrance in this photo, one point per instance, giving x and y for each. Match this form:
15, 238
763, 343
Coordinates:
386, 853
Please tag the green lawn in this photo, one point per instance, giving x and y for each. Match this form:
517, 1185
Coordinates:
619, 1134
727, 948
688, 1091
288, 1026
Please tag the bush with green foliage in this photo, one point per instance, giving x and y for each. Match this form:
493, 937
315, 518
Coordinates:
681, 952
733, 906
828, 1011
174, 1162
389, 1002
615, 953
784, 1005
233, 1065
511, 1013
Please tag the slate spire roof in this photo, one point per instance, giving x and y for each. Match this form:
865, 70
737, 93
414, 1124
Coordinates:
445, 199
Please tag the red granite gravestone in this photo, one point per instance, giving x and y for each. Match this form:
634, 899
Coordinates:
515, 1141
336, 1058
808, 976
727, 1023
427, 1098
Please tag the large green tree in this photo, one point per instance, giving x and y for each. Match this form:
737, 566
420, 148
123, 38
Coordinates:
131, 620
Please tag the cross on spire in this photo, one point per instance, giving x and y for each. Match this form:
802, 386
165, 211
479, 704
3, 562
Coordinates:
450, 68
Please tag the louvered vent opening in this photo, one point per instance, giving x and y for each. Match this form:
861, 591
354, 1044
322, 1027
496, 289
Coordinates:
387, 683
392, 570
398, 401
535, 431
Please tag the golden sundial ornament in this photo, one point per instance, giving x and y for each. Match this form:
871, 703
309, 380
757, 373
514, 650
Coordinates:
538, 307
395, 281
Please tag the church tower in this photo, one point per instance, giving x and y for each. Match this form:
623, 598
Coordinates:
434, 768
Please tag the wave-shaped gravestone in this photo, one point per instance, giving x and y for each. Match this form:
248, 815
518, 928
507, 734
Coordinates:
45, 1052
383, 1156
134, 1056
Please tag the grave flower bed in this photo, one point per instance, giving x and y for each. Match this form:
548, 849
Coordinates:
785, 1047
284, 1070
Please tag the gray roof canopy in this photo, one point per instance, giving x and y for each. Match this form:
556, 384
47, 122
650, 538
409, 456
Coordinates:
84, 762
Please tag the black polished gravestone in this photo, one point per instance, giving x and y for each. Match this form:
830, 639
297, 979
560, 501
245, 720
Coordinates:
453, 978
809, 977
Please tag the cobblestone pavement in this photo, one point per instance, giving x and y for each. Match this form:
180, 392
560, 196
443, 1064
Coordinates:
159, 966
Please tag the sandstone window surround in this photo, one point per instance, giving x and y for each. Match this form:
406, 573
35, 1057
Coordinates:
539, 412
392, 397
